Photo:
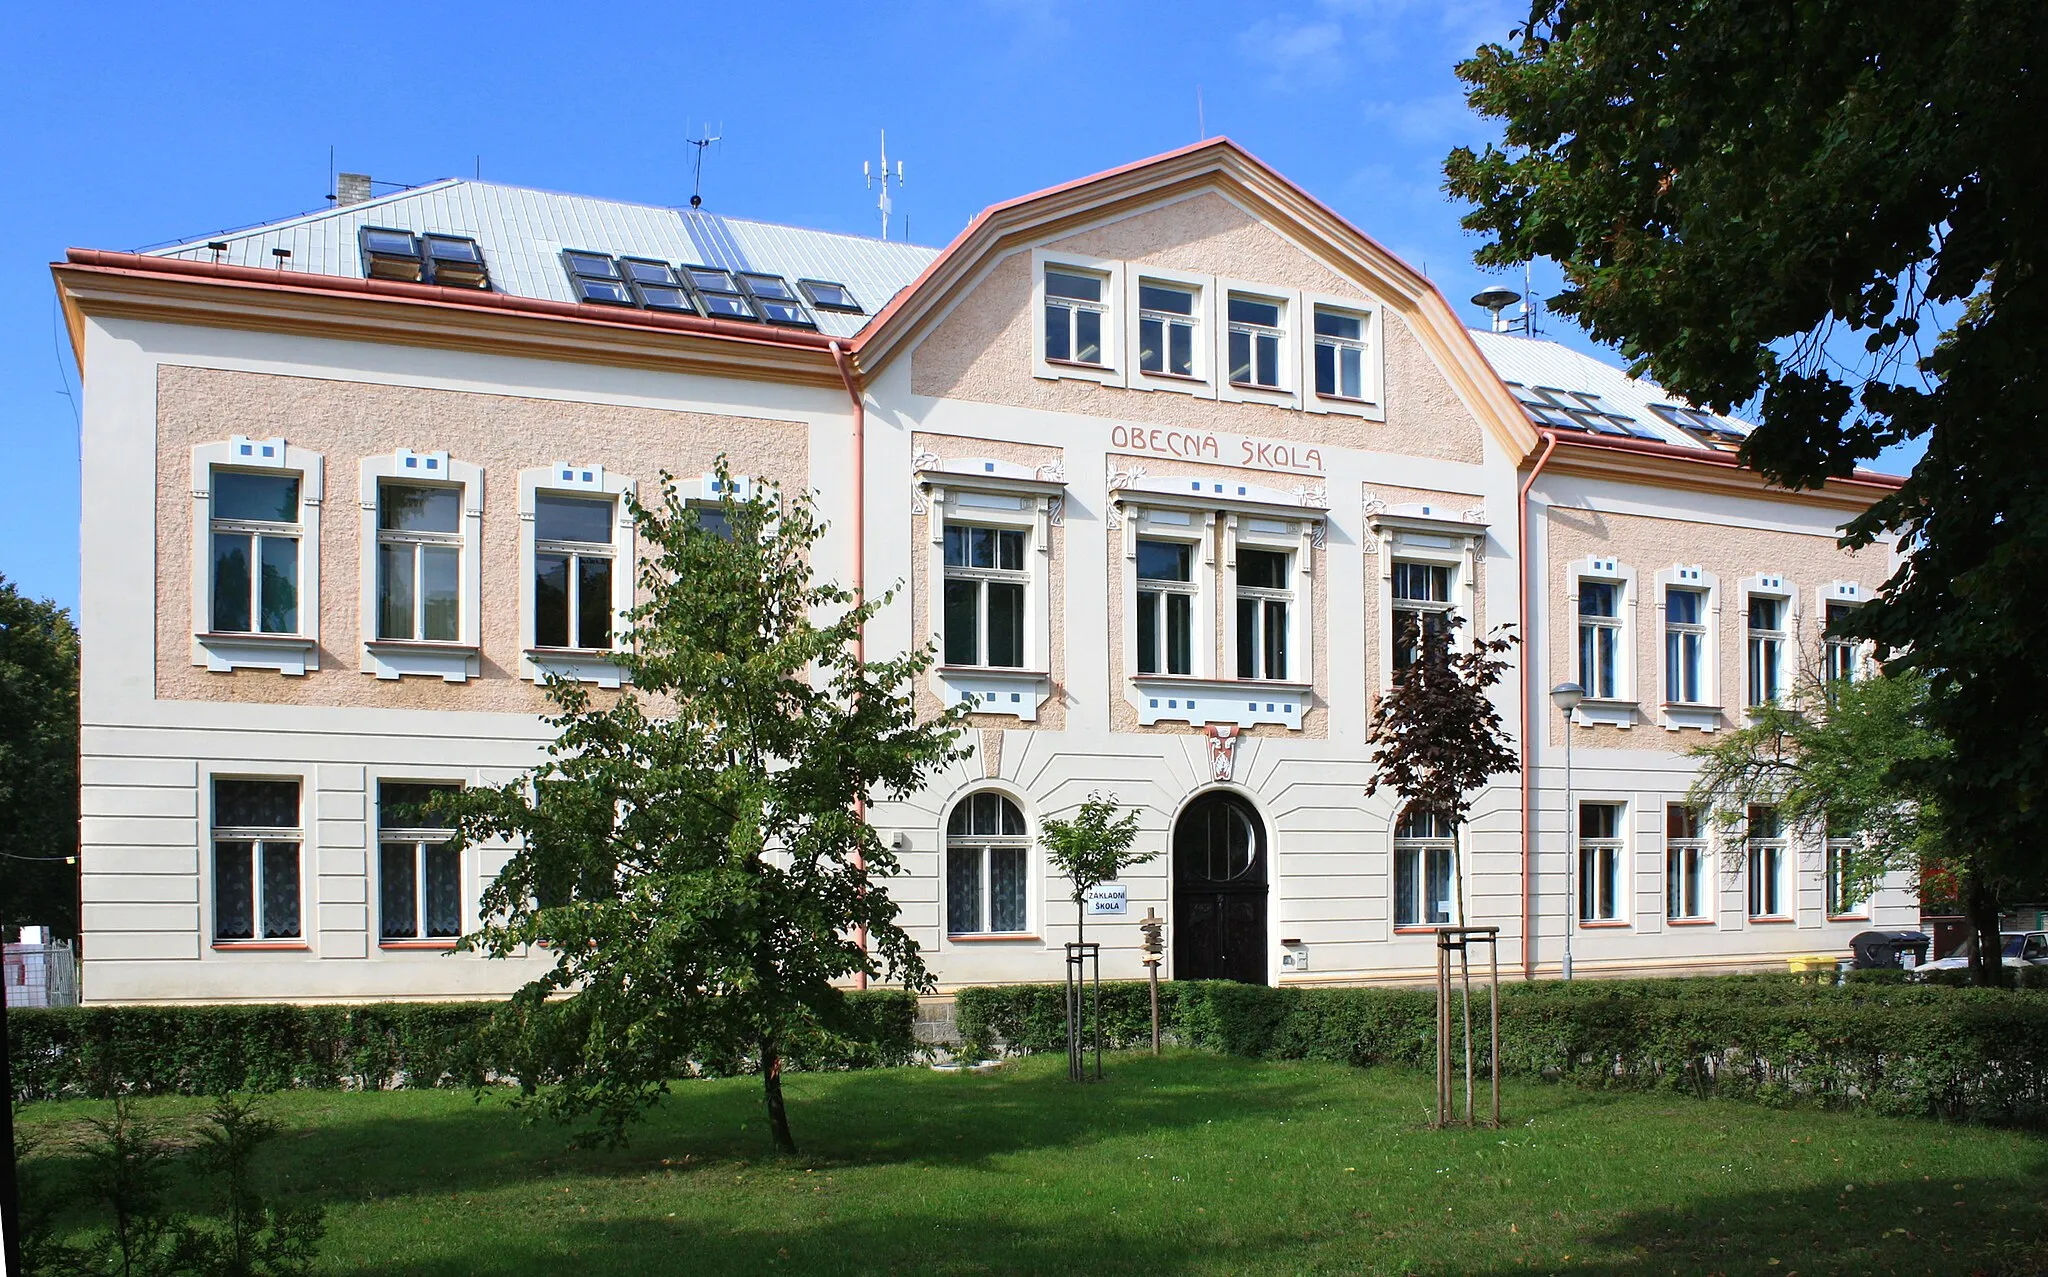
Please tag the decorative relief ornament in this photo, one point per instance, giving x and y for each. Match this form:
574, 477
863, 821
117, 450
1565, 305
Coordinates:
1222, 741
919, 461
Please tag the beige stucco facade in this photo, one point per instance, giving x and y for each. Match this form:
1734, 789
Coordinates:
962, 418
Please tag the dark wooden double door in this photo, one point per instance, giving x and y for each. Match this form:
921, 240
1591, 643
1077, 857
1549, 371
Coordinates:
1220, 883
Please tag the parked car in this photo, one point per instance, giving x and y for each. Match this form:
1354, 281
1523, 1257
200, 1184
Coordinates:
2022, 948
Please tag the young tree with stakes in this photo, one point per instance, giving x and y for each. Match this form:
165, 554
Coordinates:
692, 853
1436, 735
1091, 849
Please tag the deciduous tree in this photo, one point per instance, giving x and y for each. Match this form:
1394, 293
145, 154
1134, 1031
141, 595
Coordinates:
1836, 212
1436, 736
1091, 849
38, 763
692, 853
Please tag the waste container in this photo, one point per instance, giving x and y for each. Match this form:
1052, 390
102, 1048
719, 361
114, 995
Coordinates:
1874, 949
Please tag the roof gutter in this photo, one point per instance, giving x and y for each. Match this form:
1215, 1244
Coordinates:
1725, 460
1531, 716
859, 585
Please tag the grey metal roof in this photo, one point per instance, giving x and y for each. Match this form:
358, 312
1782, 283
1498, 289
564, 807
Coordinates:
1535, 362
522, 233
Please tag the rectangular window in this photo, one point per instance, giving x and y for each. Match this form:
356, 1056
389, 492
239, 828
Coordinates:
656, 285
1685, 864
1600, 847
419, 562
256, 534
1340, 354
1838, 654
1766, 649
720, 295
986, 582
1766, 863
1422, 605
256, 840
1166, 330
1424, 862
419, 872
1074, 316
1600, 638
1263, 596
597, 278
572, 571
1685, 646
1845, 898
456, 261
1166, 607
1254, 342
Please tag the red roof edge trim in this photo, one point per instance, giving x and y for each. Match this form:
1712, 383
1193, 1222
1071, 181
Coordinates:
1728, 460
454, 298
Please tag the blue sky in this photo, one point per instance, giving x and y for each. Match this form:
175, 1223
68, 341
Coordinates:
127, 128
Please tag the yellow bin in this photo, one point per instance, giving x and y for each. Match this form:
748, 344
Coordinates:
1811, 963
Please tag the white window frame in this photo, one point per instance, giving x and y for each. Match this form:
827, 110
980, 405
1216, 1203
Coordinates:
579, 480
1373, 370
1203, 383
983, 843
1272, 537
453, 662
1398, 603
1622, 708
1771, 586
1704, 714
1859, 652
1215, 516
420, 838
1190, 589
1111, 371
984, 492
1287, 361
1701, 846
216, 833
1422, 848
1756, 853
289, 654
1615, 850
1424, 534
1833, 852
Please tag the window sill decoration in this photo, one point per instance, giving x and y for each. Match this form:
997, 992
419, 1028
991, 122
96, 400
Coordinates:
1704, 718
577, 664
416, 944
1164, 698
261, 946
1602, 924
396, 658
1605, 713
1017, 693
993, 937
1688, 922
1775, 919
290, 654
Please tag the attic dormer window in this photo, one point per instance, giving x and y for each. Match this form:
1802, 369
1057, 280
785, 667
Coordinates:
456, 261
596, 278
722, 296
390, 254
777, 301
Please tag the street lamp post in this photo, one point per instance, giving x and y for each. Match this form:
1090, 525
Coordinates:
1566, 696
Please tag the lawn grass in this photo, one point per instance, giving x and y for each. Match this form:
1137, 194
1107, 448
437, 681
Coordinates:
1188, 1164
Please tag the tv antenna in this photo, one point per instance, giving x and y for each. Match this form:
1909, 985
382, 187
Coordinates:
697, 177
885, 204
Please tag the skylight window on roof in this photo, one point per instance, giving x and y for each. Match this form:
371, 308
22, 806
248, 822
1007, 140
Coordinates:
596, 278
655, 285
456, 261
390, 254
1713, 431
1577, 410
778, 303
828, 296
722, 298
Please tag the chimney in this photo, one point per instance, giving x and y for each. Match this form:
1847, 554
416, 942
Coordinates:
351, 188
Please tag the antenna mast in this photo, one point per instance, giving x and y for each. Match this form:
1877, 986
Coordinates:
885, 204
697, 178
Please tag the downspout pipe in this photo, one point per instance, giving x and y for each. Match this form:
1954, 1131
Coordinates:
1531, 715
860, 555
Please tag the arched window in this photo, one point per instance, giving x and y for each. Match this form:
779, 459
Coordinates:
987, 867
1425, 858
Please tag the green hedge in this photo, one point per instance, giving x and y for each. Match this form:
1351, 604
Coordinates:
97, 1052
1901, 1049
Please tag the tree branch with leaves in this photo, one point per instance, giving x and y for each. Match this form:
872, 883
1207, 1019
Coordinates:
1091, 849
691, 853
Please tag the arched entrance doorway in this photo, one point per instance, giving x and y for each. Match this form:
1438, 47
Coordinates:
1219, 891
